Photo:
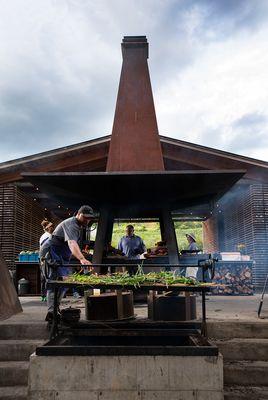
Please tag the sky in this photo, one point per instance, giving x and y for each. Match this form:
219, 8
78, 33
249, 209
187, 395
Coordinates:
60, 64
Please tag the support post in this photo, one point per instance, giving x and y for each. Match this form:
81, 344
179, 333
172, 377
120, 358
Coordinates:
168, 229
105, 225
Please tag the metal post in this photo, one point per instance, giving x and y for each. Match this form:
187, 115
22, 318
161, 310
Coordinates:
54, 326
167, 228
262, 296
204, 321
101, 236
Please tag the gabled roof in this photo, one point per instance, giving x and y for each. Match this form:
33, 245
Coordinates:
91, 155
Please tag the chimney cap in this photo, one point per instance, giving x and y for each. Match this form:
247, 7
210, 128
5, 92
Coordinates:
135, 42
134, 39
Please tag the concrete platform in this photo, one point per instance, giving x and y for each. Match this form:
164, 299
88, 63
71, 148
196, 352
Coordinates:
126, 377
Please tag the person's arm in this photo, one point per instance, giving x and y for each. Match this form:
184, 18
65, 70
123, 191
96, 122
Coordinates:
119, 246
76, 252
143, 247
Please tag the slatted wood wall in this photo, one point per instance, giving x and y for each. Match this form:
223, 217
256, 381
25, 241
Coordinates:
259, 207
7, 217
245, 216
20, 218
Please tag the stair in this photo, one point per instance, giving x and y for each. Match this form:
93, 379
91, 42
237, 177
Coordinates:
17, 350
246, 373
246, 393
13, 392
14, 373
17, 343
244, 349
244, 346
23, 331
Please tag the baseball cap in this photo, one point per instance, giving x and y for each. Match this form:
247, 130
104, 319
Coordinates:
87, 211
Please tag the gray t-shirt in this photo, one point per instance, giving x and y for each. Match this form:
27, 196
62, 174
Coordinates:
69, 229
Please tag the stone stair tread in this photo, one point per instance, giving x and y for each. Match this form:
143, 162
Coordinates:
241, 340
18, 349
245, 392
13, 373
31, 330
243, 349
14, 364
5, 342
237, 329
13, 393
249, 363
246, 373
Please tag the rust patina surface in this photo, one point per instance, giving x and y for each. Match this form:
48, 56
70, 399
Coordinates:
135, 143
9, 302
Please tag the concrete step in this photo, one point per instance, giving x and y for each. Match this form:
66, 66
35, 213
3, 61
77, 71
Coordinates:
13, 373
243, 349
13, 393
245, 393
237, 329
24, 331
246, 373
17, 350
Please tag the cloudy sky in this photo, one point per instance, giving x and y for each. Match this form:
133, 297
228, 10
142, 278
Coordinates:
60, 63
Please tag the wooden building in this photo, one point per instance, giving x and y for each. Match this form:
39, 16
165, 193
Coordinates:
240, 217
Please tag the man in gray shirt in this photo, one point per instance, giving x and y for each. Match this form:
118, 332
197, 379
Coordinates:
131, 245
65, 242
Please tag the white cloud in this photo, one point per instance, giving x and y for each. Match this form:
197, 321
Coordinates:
226, 81
60, 63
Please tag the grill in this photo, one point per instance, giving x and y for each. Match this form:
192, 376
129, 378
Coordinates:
130, 338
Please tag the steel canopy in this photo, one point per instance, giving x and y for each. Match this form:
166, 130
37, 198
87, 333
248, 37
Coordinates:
133, 194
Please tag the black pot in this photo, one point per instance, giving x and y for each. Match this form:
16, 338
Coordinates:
70, 315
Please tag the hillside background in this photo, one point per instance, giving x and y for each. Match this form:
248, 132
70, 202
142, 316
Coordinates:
150, 233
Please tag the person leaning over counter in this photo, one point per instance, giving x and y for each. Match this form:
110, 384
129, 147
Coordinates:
65, 242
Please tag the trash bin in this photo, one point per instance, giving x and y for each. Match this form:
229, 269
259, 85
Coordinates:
23, 286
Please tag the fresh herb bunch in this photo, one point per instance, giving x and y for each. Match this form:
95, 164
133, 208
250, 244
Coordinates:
166, 278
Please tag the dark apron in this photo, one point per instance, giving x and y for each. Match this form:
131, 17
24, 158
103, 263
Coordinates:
59, 254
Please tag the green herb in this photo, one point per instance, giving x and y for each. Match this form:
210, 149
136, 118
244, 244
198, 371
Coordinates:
166, 278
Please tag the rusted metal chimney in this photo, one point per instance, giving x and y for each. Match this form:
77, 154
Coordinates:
135, 143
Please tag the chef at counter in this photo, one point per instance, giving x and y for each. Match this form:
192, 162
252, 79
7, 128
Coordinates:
131, 245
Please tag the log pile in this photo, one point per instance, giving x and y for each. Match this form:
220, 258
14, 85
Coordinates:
236, 278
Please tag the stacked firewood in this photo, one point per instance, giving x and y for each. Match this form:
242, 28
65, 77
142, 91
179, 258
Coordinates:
235, 278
